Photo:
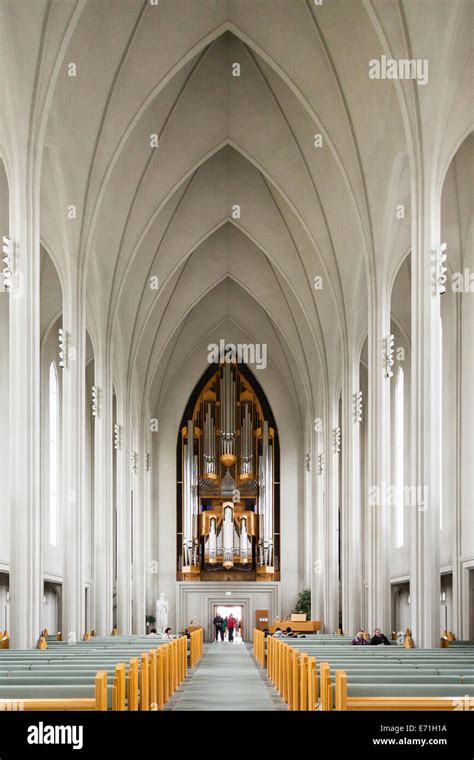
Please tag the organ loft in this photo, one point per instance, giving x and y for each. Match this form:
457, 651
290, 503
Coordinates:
228, 481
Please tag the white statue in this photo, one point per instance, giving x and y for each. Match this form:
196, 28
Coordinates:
162, 614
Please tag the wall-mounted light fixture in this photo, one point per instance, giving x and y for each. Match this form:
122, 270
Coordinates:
95, 401
388, 350
321, 464
117, 437
7, 259
63, 340
440, 269
357, 406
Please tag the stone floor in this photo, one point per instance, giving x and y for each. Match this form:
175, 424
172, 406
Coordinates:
227, 678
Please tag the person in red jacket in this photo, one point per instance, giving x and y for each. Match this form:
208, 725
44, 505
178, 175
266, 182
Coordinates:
231, 622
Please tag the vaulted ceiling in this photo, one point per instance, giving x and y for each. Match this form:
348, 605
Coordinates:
226, 141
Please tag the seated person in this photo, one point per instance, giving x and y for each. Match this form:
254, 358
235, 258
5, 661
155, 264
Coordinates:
153, 633
359, 639
278, 634
379, 638
168, 634
290, 634
266, 632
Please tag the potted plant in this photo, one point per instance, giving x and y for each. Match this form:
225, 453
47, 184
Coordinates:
150, 621
303, 603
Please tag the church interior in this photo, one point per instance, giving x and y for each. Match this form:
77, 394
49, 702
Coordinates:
237, 354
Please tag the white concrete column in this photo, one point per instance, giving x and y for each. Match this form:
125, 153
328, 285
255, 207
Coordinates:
308, 527
150, 560
378, 467
124, 525
426, 421
139, 539
24, 413
319, 540
103, 499
331, 531
351, 559
73, 469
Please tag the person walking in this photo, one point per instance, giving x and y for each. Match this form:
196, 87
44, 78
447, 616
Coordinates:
217, 622
224, 627
231, 623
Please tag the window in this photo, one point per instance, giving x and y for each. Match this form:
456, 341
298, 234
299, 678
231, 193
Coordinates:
441, 423
53, 454
399, 458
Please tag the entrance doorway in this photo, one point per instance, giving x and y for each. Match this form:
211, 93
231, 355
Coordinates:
236, 610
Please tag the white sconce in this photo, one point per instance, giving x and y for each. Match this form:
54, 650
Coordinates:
321, 464
336, 440
95, 401
308, 462
388, 355
117, 437
147, 462
133, 461
357, 406
441, 270
7, 258
62, 348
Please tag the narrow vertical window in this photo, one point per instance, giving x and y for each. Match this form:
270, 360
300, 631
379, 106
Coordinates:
399, 458
441, 423
53, 454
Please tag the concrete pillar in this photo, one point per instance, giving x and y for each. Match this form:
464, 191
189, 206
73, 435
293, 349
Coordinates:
73, 468
379, 473
24, 412
426, 421
103, 499
124, 560
331, 530
319, 571
139, 538
351, 560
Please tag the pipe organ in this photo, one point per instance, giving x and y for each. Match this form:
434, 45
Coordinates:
226, 496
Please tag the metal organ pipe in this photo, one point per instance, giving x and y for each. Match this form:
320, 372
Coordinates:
228, 535
244, 541
213, 542
266, 498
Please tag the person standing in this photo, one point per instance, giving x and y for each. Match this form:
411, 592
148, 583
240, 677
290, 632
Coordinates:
217, 622
224, 628
231, 622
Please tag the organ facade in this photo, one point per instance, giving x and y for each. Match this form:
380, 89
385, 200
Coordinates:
228, 482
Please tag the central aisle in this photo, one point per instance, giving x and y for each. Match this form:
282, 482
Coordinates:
226, 679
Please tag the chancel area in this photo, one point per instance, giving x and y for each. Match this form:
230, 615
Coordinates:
236, 355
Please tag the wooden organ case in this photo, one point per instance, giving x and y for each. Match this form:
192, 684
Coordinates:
228, 495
